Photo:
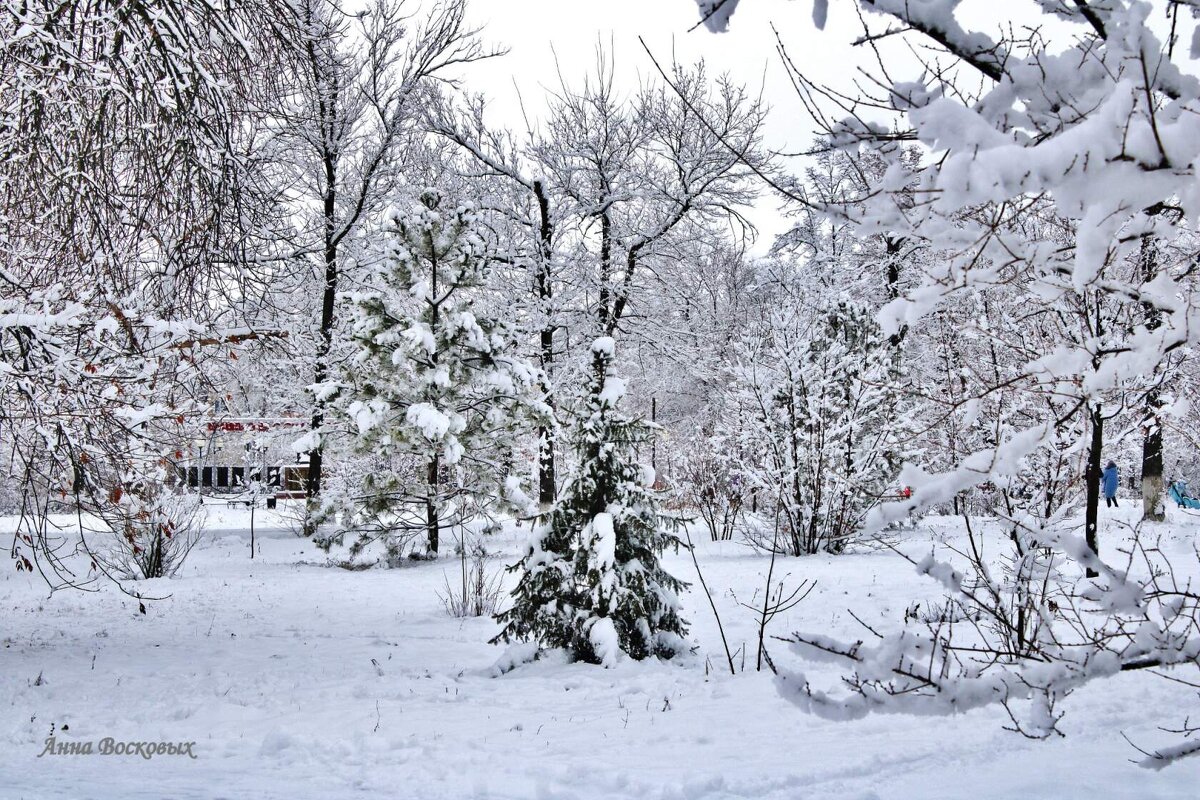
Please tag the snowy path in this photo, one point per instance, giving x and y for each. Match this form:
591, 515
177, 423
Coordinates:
303, 681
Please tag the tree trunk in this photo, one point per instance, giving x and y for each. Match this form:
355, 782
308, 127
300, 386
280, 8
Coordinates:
894, 247
605, 291
545, 293
1092, 476
312, 483
431, 504
1153, 508
546, 479
312, 486
431, 475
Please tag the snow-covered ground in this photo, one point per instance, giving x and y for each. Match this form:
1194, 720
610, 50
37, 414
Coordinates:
300, 680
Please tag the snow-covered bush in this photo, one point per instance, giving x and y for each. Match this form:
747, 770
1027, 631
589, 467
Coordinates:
991, 650
153, 528
362, 497
480, 590
712, 483
132, 220
809, 407
591, 581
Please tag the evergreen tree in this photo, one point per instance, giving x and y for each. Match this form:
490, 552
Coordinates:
434, 385
591, 581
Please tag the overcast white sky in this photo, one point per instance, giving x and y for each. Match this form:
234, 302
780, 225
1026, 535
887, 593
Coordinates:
535, 30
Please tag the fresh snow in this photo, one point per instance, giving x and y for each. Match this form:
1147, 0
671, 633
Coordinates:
427, 418
604, 346
301, 680
613, 391
603, 636
606, 540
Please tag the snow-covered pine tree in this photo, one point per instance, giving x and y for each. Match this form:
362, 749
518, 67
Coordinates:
591, 581
432, 382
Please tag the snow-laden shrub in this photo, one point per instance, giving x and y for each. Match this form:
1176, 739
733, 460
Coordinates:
811, 410
153, 528
712, 484
1057, 197
480, 589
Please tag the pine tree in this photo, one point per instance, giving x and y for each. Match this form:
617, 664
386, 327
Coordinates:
433, 384
591, 581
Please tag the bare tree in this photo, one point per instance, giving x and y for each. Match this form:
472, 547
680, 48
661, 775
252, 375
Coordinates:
131, 216
1039, 204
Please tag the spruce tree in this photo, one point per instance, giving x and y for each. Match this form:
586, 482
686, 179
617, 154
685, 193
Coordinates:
591, 581
435, 383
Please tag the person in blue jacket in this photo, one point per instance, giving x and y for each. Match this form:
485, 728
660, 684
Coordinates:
1108, 481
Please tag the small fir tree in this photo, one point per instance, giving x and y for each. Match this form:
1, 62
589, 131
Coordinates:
435, 387
591, 581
